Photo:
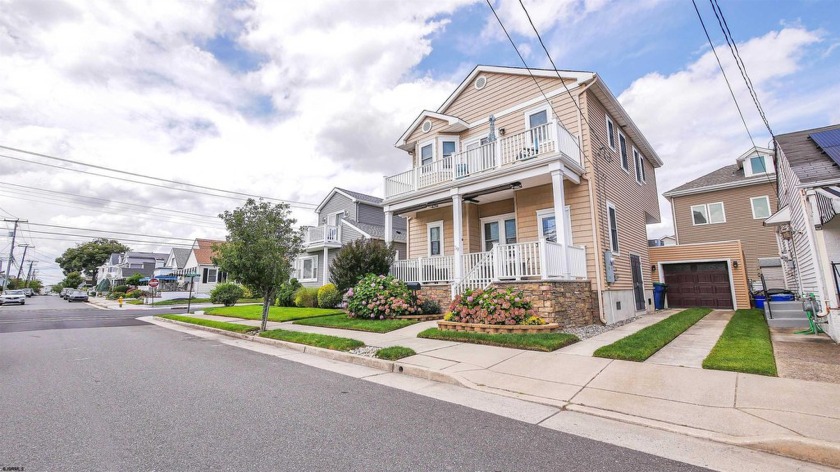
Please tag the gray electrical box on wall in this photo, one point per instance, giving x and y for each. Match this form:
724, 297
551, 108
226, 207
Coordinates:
609, 266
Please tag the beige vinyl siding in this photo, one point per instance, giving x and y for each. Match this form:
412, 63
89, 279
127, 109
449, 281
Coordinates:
472, 228
420, 136
759, 240
501, 92
633, 202
717, 251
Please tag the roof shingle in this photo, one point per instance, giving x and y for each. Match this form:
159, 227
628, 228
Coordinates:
806, 159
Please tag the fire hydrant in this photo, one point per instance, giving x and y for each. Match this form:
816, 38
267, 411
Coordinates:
120, 300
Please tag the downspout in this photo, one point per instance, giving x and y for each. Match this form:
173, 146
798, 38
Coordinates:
809, 198
674, 220
594, 208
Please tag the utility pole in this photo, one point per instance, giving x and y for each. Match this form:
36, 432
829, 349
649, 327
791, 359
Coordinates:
22, 259
29, 274
11, 251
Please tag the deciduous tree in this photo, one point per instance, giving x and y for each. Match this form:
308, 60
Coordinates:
85, 258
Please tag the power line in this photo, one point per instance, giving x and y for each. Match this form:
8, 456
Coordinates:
87, 237
109, 231
110, 169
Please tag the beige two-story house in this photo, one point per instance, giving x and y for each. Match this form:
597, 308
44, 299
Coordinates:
533, 178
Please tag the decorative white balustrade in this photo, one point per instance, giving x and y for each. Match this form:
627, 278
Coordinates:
541, 140
322, 234
520, 261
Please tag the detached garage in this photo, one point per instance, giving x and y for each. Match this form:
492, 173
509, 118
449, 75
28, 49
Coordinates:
709, 275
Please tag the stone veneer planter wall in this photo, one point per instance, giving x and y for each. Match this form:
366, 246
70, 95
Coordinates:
497, 329
570, 304
441, 293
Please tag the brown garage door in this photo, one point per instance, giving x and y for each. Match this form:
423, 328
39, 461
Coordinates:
703, 284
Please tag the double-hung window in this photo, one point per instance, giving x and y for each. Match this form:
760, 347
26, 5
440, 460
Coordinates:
308, 268
622, 147
435, 232
612, 221
710, 213
610, 133
639, 162
760, 207
427, 153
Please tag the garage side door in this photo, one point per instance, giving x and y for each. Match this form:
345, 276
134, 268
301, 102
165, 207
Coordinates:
704, 284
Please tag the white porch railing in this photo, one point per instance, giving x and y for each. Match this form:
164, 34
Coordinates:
541, 140
322, 234
541, 260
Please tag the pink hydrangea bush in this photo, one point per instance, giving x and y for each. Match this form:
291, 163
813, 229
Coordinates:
379, 297
493, 306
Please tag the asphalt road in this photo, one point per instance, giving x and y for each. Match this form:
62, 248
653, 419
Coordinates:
142, 397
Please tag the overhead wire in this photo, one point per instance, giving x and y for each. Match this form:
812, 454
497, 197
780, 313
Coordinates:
160, 179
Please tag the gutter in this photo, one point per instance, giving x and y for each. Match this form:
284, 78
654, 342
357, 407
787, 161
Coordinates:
593, 211
821, 183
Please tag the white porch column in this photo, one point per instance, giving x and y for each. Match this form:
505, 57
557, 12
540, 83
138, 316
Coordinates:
326, 269
457, 238
389, 225
560, 215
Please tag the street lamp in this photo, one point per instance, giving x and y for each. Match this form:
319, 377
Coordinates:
189, 298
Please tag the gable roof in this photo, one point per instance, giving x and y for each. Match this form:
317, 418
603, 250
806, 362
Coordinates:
806, 158
455, 125
726, 177
352, 195
181, 256
203, 250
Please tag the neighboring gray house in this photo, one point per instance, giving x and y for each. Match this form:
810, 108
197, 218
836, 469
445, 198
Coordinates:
118, 267
343, 216
807, 222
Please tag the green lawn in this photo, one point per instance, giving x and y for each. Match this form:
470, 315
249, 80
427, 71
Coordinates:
356, 324
275, 313
744, 346
311, 339
183, 301
644, 343
535, 342
237, 328
394, 352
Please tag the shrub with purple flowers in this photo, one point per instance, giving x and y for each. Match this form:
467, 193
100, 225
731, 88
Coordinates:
493, 306
379, 297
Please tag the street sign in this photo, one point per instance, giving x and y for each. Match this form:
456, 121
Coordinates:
153, 283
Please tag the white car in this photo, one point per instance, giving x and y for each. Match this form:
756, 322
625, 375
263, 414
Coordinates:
13, 296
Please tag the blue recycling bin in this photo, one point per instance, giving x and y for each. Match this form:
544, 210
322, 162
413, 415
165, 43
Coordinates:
759, 301
659, 295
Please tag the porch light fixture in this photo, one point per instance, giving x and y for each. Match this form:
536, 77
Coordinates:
653, 267
516, 185
735, 264
501, 131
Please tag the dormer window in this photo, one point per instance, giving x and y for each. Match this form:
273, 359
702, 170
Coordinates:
758, 165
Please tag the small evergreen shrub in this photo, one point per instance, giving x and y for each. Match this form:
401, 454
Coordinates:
328, 296
306, 297
115, 295
226, 293
359, 258
429, 307
120, 288
286, 293
135, 294
493, 306
380, 297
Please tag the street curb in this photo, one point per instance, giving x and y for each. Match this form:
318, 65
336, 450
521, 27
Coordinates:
796, 447
372, 362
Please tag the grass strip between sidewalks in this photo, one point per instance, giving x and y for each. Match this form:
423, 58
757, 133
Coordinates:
744, 346
356, 324
237, 328
534, 342
644, 343
275, 313
312, 339
394, 352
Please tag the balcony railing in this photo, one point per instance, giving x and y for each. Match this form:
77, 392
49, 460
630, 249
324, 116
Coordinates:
541, 140
520, 261
316, 235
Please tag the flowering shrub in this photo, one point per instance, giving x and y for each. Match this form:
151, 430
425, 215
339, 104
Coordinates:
493, 306
380, 297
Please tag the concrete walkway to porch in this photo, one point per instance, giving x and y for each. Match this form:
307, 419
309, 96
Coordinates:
796, 418
691, 347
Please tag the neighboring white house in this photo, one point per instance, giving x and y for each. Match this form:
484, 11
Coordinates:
807, 225
200, 261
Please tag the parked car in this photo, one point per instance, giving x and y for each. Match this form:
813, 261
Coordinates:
77, 296
13, 296
28, 292
65, 292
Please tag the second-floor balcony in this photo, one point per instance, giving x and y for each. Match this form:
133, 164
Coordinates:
321, 236
543, 140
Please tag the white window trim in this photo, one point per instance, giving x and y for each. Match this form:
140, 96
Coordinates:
637, 166
331, 217
708, 214
420, 147
215, 272
443, 138
314, 260
626, 148
548, 212
501, 220
429, 226
768, 169
752, 207
548, 115
608, 121
609, 229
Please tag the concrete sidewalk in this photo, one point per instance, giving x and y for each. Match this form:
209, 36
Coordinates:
790, 417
